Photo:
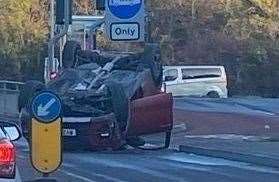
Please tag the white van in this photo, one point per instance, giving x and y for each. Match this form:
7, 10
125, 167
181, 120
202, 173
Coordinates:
197, 81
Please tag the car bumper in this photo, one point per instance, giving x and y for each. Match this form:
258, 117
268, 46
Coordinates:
80, 140
97, 133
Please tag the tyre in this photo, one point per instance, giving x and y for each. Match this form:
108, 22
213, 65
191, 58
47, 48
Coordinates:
120, 104
135, 141
213, 94
29, 89
151, 58
157, 73
70, 54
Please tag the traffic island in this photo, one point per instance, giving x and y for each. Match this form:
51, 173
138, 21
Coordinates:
260, 153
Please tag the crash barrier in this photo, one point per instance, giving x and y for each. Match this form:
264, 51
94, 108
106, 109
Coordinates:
9, 92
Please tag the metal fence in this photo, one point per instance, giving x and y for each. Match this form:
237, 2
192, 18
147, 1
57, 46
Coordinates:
9, 92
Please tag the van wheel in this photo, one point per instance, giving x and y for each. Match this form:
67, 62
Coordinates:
213, 94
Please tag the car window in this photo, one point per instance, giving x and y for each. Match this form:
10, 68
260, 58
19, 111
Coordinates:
170, 75
2, 134
195, 73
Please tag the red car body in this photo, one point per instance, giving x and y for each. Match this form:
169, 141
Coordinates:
148, 115
130, 107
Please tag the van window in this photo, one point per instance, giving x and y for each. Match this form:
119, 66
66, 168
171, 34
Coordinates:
195, 73
170, 75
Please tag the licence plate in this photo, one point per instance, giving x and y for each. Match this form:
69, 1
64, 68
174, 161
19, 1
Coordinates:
69, 132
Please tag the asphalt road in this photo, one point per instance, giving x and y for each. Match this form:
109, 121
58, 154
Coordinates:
237, 116
248, 105
137, 165
169, 165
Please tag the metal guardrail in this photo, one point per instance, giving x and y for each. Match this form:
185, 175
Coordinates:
6, 85
9, 92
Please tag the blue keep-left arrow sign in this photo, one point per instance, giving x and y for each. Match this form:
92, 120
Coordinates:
46, 107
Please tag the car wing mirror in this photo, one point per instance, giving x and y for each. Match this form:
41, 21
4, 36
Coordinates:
11, 130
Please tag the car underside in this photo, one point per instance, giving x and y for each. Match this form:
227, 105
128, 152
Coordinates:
108, 99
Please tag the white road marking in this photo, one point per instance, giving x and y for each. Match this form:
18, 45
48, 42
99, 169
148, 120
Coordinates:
108, 178
229, 137
116, 164
209, 161
77, 176
179, 127
64, 164
264, 112
182, 126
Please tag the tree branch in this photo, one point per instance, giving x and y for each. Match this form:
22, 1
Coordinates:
258, 9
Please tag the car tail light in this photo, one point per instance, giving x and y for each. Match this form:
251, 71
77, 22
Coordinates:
7, 159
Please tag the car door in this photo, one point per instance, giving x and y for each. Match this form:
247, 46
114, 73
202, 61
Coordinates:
150, 115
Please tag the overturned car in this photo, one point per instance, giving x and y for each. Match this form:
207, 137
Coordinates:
109, 100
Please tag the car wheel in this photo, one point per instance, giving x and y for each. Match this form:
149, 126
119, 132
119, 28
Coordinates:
157, 73
28, 91
213, 94
151, 59
70, 54
119, 104
135, 141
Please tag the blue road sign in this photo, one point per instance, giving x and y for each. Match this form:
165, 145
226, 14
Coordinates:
124, 9
46, 107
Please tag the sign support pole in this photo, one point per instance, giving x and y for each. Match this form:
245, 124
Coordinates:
55, 38
148, 22
52, 26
